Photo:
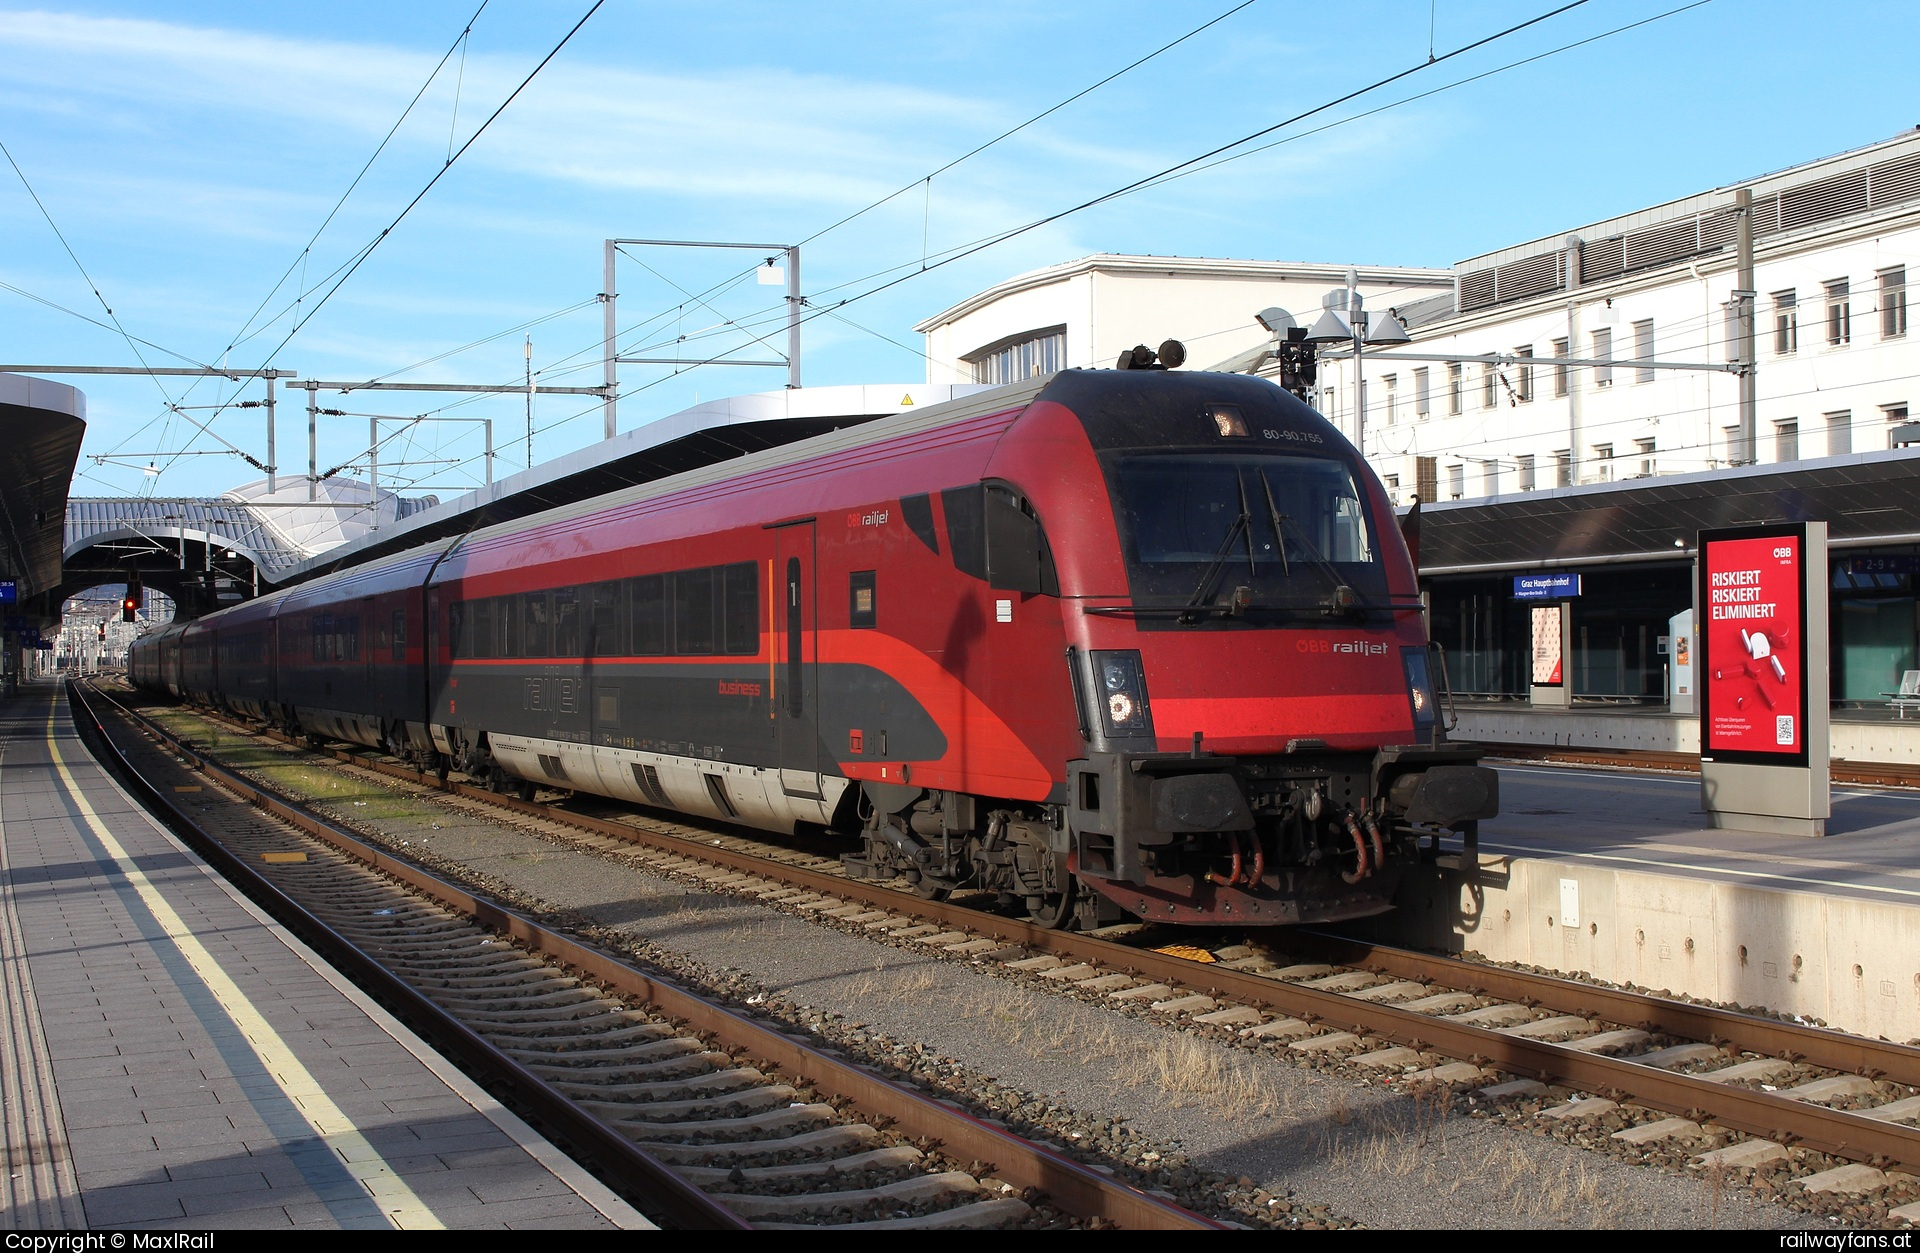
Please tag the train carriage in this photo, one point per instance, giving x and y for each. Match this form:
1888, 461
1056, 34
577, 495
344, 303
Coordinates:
1131, 642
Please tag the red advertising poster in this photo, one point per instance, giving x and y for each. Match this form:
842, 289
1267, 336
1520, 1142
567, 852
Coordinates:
1753, 657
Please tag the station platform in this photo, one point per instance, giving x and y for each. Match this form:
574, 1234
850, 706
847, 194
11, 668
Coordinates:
1615, 873
1878, 735
171, 1058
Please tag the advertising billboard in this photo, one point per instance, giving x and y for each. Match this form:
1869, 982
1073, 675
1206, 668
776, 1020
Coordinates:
1753, 658
1548, 646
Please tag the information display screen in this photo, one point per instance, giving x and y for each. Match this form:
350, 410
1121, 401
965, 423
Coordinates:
1753, 657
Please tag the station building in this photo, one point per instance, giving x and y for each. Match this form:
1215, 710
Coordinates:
1610, 468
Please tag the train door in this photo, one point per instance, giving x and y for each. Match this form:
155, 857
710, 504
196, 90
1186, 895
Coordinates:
796, 678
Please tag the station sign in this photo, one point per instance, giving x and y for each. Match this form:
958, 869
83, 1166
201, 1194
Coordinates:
1753, 661
1545, 586
9, 591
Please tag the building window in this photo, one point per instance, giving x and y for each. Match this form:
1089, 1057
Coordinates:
1526, 472
1896, 416
1839, 313
1643, 350
1022, 357
1525, 353
1457, 481
1893, 302
1456, 388
1393, 488
1603, 352
1490, 477
1643, 450
1390, 384
1561, 379
1489, 386
1422, 393
1563, 468
1840, 433
1603, 463
1786, 322
1786, 440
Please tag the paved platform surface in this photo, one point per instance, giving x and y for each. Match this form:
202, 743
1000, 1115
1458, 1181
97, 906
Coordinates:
1655, 822
171, 1058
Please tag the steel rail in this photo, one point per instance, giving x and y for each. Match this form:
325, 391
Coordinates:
1067, 1183
1838, 1132
1834, 1050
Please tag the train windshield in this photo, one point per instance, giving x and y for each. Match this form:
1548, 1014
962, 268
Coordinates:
1293, 530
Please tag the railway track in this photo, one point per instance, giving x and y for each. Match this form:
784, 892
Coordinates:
1746, 1090
707, 1118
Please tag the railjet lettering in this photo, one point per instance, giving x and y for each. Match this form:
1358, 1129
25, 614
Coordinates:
1357, 648
1736, 594
877, 518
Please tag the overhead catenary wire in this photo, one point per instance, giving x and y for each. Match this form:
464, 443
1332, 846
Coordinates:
359, 258
75, 258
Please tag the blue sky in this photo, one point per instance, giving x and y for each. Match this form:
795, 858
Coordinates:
189, 151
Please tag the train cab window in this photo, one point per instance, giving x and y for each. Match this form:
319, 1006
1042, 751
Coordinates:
607, 639
996, 536
1018, 559
740, 608
399, 635
862, 613
566, 622
649, 605
693, 612
1295, 527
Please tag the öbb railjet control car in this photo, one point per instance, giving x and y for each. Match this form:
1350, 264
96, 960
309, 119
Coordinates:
1116, 642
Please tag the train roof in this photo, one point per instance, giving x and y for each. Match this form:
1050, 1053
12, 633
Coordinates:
717, 431
816, 444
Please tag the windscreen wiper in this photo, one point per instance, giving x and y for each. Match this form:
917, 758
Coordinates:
1342, 598
1199, 602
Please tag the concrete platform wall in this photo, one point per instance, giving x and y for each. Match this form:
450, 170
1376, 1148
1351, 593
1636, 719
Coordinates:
1896, 741
1854, 964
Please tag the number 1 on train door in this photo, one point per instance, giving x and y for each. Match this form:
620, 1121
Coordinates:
798, 712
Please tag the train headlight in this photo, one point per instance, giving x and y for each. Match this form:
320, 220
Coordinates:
1122, 693
1420, 693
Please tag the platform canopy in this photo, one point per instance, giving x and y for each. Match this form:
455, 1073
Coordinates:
41, 425
1864, 498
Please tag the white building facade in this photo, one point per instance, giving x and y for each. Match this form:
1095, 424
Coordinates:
1085, 313
1835, 366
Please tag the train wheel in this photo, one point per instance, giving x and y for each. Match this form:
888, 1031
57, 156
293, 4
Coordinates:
930, 889
1055, 911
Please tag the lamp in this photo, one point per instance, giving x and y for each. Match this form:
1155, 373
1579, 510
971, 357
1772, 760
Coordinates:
1332, 328
1390, 330
1275, 321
